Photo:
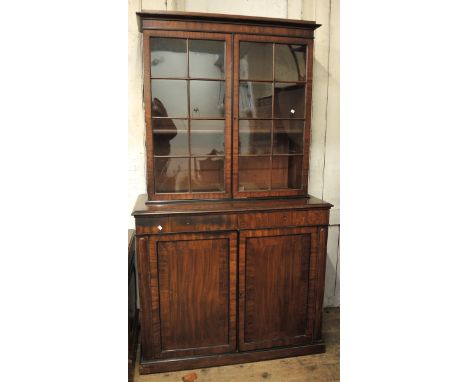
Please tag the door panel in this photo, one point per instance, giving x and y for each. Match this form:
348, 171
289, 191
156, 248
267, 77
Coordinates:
277, 274
196, 290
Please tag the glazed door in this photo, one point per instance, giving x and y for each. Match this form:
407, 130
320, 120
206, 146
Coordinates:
277, 287
192, 281
188, 114
271, 113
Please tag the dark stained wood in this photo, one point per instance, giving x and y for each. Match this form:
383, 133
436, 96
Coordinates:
320, 286
275, 268
193, 294
142, 208
150, 340
227, 28
283, 219
148, 102
169, 224
222, 18
308, 115
325, 367
133, 320
230, 221
159, 366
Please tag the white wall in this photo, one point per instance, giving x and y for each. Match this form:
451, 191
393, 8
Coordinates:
325, 159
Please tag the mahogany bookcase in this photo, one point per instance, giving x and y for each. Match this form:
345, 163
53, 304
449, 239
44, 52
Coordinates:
231, 249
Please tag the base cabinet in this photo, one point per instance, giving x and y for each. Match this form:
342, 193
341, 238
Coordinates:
232, 283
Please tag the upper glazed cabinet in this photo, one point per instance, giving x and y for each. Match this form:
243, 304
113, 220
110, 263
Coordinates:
228, 113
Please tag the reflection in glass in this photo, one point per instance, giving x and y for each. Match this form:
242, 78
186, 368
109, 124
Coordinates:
289, 100
207, 174
290, 62
254, 173
206, 59
170, 137
286, 171
207, 137
255, 100
173, 96
207, 99
288, 137
171, 174
168, 57
256, 61
254, 136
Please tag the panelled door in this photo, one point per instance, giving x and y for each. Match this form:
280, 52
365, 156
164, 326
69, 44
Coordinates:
278, 275
192, 281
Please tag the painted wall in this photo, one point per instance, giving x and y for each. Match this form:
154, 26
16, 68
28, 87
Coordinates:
324, 176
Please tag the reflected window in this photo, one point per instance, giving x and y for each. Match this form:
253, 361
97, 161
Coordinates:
206, 59
256, 61
207, 137
255, 100
207, 99
168, 57
290, 62
173, 95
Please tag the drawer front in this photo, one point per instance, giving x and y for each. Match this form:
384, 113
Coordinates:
283, 219
167, 224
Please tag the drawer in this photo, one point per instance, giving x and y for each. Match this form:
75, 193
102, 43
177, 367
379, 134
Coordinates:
166, 224
283, 219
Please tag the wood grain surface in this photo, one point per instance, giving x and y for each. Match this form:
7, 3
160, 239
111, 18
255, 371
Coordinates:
323, 367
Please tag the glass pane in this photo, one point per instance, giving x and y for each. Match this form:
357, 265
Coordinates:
169, 98
170, 136
254, 173
207, 137
171, 174
289, 100
288, 137
168, 57
255, 136
286, 171
206, 59
208, 174
255, 100
255, 61
207, 99
290, 62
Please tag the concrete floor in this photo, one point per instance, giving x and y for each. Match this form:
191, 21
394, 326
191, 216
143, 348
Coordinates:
319, 367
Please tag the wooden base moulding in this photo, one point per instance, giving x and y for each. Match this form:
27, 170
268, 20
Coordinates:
175, 364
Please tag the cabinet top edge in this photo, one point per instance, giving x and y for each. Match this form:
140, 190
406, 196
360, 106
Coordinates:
143, 208
226, 18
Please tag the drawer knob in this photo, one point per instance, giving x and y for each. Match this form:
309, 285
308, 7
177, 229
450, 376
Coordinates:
160, 227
